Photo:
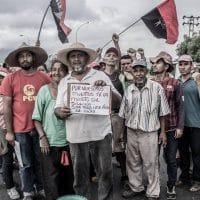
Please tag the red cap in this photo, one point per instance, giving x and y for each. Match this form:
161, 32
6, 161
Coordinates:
114, 50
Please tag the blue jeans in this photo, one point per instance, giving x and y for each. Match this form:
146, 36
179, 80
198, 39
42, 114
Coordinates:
101, 155
30, 173
8, 168
170, 155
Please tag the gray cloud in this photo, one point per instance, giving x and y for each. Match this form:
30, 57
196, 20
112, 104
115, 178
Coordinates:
23, 17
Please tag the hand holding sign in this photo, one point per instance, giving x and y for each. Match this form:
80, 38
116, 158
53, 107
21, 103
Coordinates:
100, 83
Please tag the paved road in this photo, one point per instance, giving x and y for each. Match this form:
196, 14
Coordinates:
182, 193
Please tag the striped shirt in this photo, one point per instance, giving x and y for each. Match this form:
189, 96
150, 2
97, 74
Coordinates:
141, 109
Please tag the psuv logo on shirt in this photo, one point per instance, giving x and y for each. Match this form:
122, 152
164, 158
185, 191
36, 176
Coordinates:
29, 91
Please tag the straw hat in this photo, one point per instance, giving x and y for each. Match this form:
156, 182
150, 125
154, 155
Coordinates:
63, 54
40, 55
166, 58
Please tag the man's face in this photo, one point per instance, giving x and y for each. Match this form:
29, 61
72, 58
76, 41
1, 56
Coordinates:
111, 59
126, 65
139, 73
78, 61
25, 60
185, 67
159, 66
41, 69
132, 53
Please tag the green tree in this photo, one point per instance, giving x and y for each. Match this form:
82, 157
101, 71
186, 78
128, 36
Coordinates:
190, 46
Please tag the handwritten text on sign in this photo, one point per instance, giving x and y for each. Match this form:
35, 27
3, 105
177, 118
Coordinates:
88, 99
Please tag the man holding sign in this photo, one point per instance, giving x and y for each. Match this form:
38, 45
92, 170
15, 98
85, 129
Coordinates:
88, 134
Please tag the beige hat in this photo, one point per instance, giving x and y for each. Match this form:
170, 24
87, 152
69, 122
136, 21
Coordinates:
40, 55
166, 58
186, 58
63, 54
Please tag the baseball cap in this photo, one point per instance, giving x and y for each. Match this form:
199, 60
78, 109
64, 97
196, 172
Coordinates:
186, 58
113, 50
140, 62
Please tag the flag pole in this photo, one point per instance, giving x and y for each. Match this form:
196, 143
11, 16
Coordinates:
38, 37
124, 30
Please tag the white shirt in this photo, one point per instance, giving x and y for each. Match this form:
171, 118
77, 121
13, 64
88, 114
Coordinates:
81, 127
142, 109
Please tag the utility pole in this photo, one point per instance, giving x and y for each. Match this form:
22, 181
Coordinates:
191, 22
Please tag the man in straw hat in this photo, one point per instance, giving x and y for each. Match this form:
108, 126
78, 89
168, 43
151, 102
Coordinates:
20, 89
143, 107
87, 134
174, 122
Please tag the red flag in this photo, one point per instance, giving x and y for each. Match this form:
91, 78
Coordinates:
58, 8
162, 21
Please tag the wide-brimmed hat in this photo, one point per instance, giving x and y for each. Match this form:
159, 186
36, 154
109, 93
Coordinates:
63, 54
166, 58
40, 55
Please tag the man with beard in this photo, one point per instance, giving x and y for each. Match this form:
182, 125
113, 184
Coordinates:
174, 122
20, 89
87, 134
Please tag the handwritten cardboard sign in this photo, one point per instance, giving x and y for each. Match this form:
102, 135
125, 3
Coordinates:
88, 99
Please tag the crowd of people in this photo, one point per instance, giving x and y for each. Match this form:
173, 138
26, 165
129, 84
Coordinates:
58, 148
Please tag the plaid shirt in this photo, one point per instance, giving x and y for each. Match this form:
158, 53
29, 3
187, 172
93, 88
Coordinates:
174, 94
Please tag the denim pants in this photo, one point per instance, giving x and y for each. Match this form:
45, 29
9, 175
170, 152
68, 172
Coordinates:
58, 179
7, 167
101, 154
30, 173
170, 155
190, 139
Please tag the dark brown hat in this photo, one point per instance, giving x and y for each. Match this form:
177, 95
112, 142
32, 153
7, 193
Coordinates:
40, 55
166, 58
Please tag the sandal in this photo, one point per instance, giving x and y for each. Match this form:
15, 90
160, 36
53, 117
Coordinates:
195, 187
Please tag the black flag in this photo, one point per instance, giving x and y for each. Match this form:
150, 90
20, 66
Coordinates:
162, 21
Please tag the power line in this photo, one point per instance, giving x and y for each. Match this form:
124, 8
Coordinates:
191, 22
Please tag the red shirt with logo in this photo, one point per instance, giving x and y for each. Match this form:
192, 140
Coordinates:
23, 89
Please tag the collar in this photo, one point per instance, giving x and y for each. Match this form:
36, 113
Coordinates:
146, 86
181, 80
89, 74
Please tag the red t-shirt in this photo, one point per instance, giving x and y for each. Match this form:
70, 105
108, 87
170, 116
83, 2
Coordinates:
23, 89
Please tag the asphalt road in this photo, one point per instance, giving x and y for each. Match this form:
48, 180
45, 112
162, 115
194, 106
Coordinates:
182, 193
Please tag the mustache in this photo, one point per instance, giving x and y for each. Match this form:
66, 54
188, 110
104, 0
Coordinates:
25, 62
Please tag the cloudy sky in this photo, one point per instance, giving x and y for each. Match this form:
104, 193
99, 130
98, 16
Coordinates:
20, 21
